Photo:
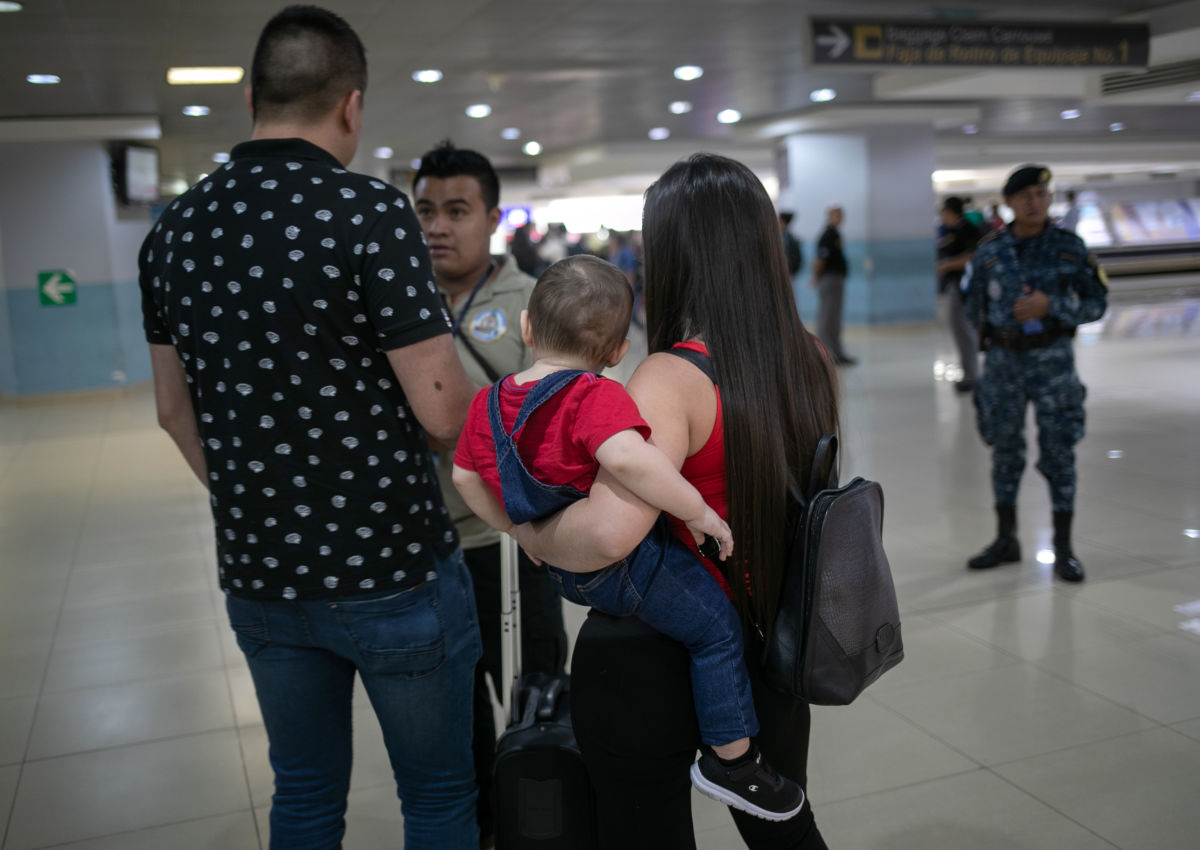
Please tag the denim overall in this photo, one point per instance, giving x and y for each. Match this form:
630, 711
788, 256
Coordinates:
661, 582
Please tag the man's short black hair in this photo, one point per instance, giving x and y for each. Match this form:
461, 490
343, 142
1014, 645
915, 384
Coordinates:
786, 217
446, 161
306, 60
953, 204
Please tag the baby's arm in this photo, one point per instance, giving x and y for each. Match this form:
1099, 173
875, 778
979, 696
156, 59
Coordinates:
650, 475
480, 499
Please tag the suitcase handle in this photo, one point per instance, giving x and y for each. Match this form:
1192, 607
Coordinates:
548, 699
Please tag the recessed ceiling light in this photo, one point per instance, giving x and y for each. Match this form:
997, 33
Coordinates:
1116, 454
383, 152
970, 129
532, 148
822, 95
1069, 114
479, 110
659, 133
729, 116
689, 72
680, 107
220, 157
44, 79
510, 133
429, 75
1193, 533
1194, 96
9, 6
196, 111
226, 75
1116, 126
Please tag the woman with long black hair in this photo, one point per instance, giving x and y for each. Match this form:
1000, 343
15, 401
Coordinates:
717, 286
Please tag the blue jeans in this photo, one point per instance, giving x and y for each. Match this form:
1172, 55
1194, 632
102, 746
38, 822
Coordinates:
661, 582
415, 651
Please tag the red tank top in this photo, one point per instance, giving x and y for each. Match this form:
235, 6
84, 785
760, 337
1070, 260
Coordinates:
705, 470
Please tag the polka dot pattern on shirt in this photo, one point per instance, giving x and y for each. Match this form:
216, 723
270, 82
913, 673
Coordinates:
281, 280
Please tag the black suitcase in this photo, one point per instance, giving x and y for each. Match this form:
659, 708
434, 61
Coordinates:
543, 797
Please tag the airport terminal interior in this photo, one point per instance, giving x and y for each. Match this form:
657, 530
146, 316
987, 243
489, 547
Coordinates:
1028, 712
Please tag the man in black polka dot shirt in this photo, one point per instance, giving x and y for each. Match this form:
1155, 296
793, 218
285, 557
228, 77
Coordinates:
303, 364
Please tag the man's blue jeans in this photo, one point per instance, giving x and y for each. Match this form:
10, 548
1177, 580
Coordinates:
415, 651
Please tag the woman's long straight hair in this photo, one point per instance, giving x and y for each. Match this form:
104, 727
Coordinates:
715, 268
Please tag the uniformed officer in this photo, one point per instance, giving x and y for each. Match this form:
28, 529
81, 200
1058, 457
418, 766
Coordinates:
457, 197
1028, 288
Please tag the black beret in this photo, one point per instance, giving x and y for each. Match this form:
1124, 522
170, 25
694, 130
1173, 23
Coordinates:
1026, 176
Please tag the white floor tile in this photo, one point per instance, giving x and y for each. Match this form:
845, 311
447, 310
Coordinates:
1010, 713
1159, 678
170, 651
115, 715
224, 832
128, 788
975, 811
1138, 791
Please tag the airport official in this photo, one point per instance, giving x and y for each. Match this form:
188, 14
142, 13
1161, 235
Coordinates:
1028, 288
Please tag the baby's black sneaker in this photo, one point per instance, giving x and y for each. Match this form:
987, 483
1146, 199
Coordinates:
748, 783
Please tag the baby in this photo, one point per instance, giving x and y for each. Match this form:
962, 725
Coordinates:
533, 443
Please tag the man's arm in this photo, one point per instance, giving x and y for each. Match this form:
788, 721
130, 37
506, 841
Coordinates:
1086, 297
480, 499
436, 386
173, 403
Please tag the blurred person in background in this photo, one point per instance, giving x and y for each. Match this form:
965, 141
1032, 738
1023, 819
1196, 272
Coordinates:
956, 242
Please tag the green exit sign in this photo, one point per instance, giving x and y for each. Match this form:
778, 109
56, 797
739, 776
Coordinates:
56, 288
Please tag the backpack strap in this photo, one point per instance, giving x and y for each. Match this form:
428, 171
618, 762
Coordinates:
698, 359
825, 455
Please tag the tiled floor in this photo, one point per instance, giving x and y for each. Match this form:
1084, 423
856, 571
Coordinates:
1028, 714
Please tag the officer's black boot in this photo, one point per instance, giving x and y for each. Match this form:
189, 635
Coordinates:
1004, 549
1066, 565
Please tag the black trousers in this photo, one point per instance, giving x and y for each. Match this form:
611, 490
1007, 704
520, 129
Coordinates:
635, 723
543, 649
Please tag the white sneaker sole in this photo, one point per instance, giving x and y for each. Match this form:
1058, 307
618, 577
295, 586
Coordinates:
724, 795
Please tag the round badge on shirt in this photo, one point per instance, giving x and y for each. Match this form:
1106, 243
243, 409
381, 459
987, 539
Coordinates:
489, 325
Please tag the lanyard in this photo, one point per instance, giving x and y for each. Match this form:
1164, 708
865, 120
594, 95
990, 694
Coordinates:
462, 314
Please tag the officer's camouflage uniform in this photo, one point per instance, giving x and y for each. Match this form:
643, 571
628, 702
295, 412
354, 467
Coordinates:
1027, 364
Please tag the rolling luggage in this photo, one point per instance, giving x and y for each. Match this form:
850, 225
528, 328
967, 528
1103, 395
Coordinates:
543, 796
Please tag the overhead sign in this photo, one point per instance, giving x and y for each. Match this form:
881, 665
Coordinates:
935, 43
56, 288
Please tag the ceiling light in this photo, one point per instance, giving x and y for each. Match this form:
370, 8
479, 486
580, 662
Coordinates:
822, 95
680, 107
196, 111
205, 76
689, 72
532, 148
970, 129
1116, 126
1193, 533
510, 133
1194, 96
9, 6
729, 116
383, 152
659, 133
44, 79
479, 110
415, 164
1116, 454
1069, 114
220, 157
429, 75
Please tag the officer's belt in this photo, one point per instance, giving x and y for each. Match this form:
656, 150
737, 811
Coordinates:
1015, 339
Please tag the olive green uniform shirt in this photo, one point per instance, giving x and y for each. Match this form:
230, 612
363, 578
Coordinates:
493, 326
